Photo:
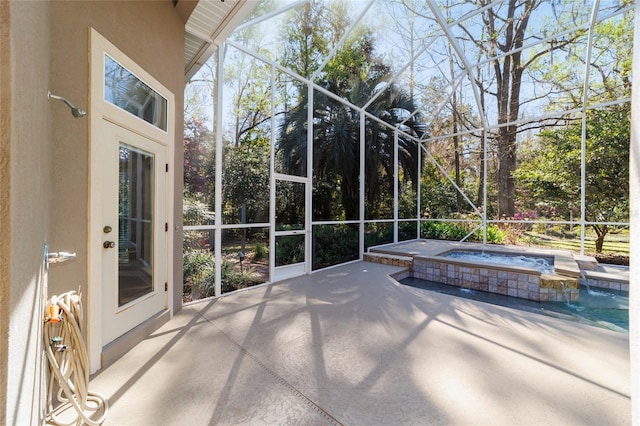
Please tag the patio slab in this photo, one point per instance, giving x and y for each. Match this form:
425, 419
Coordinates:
351, 346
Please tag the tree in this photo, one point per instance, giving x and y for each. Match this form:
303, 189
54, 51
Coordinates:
246, 181
553, 174
355, 75
248, 82
507, 29
198, 156
506, 33
610, 73
306, 34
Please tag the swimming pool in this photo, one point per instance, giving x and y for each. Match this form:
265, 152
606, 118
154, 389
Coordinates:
468, 268
544, 264
604, 308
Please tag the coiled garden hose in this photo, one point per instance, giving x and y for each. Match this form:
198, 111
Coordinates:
69, 364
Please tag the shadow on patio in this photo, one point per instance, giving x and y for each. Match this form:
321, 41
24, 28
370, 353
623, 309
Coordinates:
351, 346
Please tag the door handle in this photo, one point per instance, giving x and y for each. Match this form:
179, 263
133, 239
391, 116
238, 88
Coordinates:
108, 244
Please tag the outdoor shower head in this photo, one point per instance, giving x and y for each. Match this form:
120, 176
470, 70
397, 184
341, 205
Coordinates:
77, 112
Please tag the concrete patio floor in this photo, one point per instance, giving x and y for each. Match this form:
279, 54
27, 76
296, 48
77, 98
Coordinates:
351, 346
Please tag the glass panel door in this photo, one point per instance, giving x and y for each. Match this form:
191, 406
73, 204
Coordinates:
133, 225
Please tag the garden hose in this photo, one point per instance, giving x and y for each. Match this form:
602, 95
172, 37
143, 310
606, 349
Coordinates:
69, 364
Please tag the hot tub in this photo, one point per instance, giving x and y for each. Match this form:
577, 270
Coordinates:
432, 262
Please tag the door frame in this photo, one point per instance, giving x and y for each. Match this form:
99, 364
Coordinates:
98, 111
284, 272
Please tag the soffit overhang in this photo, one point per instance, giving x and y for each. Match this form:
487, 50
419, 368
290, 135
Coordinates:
208, 26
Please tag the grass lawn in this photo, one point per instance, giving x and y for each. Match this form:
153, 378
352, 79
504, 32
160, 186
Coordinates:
617, 243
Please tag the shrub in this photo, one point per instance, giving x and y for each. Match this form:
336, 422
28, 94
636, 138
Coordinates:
495, 235
195, 212
259, 251
334, 244
233, 279
289, 249
456, 231
451, 231
199, 272
377, 234
195, 262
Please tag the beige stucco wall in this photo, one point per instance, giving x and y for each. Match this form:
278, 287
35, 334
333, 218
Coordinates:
5, 179
44, 161
30, 201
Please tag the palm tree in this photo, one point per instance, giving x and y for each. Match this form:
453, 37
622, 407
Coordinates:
336, 141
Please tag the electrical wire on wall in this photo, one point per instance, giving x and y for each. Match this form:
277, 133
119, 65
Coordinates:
69, 365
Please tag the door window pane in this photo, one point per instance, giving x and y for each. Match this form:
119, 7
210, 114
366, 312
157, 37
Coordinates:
135, 223
290, 202
289, 249
126, 91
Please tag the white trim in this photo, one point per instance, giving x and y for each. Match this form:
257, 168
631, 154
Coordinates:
100, 110
288, 271
396, 178
362, 187
217, 125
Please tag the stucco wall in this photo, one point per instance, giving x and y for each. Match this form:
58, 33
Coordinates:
30, 197
5, 179
44, 159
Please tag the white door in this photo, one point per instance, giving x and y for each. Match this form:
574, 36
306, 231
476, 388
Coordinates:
133, 176
291, 236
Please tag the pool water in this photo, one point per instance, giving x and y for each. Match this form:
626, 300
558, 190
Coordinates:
542, 264
598, 307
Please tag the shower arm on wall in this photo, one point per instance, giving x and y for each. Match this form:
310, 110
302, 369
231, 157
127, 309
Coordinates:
77, 112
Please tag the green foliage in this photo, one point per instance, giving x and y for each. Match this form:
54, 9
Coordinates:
377, 233
289, 249
307, 31
260, 252
495, 235
195, 212
195, 262
553, 172
443, 231
233, 279
611, 43
199, 274
407, 198
355, 74
206, 287
438, 195
334, 244
456, 231
198, 157
407, 230
245, 179
248, 86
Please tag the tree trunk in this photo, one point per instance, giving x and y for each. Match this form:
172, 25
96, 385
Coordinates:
508, 83
601, 232
456, 137
480, 199
506, 166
